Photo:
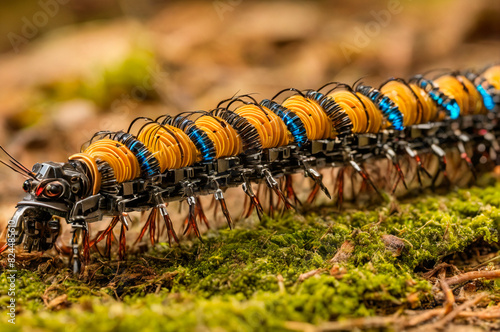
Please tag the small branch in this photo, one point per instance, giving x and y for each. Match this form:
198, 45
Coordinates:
281, 283
310, 274
402, 321
326, 232
485, 314
438, 268
452, 315
450, 299
423, 317
422, 227
472, 275
300, 326
358, 323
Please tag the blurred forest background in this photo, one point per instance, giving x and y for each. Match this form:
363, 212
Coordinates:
70, 68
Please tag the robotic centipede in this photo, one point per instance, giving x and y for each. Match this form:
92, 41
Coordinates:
244, 141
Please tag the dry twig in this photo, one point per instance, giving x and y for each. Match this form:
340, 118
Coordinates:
472, 275
450, 299
310, 274
357, 323
423, 317
281, 283
437, 269
451, 316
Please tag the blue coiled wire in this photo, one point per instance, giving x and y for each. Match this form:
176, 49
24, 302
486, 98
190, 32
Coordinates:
291, 120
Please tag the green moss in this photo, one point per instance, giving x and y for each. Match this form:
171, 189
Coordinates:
29, 288
248, 278
128, 81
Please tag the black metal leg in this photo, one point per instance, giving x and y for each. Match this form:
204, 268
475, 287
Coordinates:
75, 250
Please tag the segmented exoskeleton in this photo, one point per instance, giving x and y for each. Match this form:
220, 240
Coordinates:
244, 141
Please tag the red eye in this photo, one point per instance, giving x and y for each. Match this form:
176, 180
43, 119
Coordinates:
53, 189
39, 191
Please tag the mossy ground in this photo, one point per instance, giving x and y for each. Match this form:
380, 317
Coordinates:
250, 278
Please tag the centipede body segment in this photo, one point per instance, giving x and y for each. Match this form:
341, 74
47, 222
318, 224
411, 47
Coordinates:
244, 141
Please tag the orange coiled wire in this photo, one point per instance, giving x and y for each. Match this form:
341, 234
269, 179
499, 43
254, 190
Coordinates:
226, 140
402, 95
95, 175
364, 115
170, 145
415, 104
430, 111
476, 102
353, 107
463, 91
315, 120
118, 156
492, 75
272, 130
375, 117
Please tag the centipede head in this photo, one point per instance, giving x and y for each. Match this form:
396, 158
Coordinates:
50, 193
